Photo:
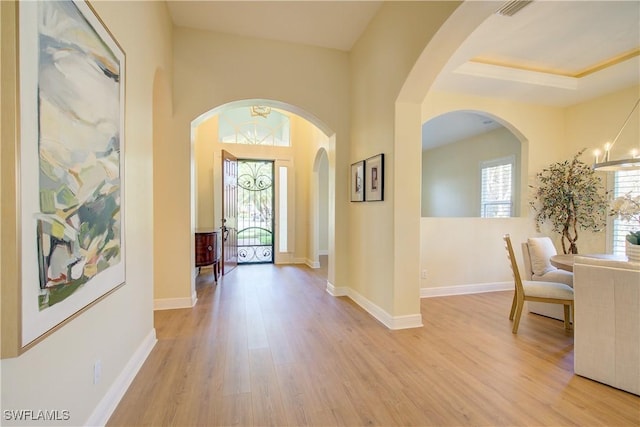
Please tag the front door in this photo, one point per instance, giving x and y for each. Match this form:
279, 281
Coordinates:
255, 211
229, 212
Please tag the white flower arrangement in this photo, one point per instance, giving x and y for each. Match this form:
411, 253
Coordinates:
627, 208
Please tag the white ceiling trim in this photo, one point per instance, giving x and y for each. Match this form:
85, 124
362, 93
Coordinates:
499, 72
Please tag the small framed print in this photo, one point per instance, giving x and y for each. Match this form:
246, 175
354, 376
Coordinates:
374, 178
357, 181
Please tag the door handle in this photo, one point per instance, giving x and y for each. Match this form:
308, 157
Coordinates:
225, 230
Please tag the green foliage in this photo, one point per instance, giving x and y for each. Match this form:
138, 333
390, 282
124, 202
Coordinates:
570, 196
633, 237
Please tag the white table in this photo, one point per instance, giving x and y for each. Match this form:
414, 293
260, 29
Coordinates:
565, 261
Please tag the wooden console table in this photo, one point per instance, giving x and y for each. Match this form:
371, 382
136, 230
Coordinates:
208, 250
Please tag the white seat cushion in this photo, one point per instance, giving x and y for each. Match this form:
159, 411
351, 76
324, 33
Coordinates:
541, 249
547, 290
557, 275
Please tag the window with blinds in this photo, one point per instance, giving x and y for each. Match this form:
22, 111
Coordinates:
624, 182
496, 197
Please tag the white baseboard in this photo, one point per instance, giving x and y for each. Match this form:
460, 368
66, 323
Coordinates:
291, 261
407, 322
173, 303
312, 264
110, 401
336, 291
391, 322
466, 289
323, 252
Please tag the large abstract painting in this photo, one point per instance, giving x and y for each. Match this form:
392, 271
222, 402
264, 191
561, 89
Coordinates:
72, 158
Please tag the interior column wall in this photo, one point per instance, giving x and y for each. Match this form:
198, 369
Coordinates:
385, 259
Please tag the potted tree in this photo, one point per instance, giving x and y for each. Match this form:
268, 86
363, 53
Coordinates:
570, 196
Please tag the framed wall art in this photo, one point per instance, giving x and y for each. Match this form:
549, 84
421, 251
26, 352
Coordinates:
374, 178
357, 181
71, 148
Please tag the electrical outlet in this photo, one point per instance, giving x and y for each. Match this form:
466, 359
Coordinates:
424, 274
97, 372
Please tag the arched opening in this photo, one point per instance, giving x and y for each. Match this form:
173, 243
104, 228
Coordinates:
472, 166
308, 135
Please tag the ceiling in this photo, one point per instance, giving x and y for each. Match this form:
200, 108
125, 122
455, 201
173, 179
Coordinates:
323, 23
455, 126
551, 53
556, 53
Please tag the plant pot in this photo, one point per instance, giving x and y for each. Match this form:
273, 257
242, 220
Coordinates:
633, 252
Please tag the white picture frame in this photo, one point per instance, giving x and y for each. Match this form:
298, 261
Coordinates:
71, 148
357, 182
374, 178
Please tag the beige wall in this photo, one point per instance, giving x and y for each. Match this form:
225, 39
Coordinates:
591, 124
321, 193
380, 63
9, 248
451, 181
469, 251
165, 191
323, 204
57, 373
211, 70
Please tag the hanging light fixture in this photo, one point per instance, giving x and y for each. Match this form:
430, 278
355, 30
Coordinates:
260, 110
605, 163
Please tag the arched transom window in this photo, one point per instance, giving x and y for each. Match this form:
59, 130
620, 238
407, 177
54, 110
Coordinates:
255, 125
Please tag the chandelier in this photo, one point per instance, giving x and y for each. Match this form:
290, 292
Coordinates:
606, 164
260, 110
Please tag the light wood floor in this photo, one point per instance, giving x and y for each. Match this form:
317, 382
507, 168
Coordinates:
268, 346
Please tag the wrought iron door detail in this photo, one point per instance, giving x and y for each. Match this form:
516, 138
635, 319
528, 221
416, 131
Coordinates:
255, 211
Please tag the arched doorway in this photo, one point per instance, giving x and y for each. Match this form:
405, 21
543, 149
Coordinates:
308, 135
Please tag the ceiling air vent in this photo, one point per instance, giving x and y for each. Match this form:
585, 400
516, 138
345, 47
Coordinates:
510, 8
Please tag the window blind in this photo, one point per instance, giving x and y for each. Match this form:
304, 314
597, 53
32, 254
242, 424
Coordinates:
496, 199
624, 182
